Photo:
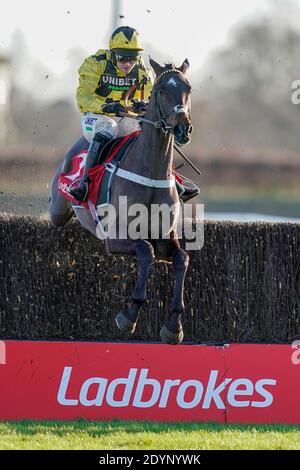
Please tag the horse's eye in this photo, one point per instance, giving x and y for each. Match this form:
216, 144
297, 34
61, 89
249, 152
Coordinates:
160, 92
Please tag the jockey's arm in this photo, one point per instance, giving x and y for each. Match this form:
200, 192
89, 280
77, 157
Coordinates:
87, 98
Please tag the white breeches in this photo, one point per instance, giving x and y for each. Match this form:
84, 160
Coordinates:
111, 126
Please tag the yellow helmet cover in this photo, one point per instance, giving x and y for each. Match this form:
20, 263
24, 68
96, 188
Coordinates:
125, 38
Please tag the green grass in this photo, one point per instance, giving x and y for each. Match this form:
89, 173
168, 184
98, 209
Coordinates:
143, 435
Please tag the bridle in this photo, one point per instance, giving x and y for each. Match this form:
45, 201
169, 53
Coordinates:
161, 123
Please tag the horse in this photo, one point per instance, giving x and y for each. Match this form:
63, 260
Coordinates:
146, 177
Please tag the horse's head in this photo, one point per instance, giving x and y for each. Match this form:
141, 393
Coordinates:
171, 95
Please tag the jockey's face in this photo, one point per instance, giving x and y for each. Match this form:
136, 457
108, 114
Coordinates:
127, 66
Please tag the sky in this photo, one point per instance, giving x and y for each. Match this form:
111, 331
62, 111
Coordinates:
171, 31
176, 28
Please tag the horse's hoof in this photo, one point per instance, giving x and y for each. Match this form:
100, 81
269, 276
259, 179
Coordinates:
170, 337
125, 324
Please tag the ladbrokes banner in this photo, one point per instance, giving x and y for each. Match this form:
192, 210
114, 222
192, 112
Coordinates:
233, 383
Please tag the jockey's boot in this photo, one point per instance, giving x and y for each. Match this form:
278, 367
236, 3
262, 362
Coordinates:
81, 187
185, 193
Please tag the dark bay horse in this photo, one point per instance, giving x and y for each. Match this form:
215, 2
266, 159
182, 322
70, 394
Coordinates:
146, 178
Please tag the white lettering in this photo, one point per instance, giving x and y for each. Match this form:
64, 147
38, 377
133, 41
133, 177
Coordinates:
149, 392
259, 387
128, 382
166, 390
61, 396
138, 227
197, 396
143, 381
296, 94
98, 400
234, 391
188, 459
214, 393
2, 352
296, 354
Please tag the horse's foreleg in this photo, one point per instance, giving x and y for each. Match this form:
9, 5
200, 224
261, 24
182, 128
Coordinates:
145, 254
127, 318
172, 332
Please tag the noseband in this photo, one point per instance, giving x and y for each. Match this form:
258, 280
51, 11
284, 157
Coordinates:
178, 109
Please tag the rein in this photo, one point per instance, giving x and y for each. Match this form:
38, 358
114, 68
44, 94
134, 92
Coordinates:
161, 124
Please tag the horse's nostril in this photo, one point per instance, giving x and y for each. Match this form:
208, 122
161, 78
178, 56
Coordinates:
178, 132
182, 133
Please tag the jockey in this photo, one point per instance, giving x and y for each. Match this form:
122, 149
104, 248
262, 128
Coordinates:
104, 80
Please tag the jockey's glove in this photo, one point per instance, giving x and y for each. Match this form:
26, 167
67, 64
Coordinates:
138, 106
113, 108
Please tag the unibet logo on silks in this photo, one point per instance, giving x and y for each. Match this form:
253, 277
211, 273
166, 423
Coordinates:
118, 83
189, 393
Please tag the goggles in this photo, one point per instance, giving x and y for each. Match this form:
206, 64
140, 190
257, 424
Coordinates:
122, 58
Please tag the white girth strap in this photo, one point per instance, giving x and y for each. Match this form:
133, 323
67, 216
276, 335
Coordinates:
128, 175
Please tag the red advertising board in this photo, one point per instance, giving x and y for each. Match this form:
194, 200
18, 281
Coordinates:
141, 381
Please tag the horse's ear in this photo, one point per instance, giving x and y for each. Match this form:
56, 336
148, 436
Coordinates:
185, 65
158, 69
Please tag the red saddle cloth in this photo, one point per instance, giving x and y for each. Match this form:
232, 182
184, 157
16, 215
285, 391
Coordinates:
95, 174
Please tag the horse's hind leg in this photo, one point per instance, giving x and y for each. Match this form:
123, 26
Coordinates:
60, 208
127, 318
172, 332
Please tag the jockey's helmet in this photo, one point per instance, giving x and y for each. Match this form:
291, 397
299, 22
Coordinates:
125, 42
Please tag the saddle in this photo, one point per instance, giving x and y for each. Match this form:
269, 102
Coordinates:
113, 152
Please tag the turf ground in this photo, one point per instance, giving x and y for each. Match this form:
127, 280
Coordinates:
132, 435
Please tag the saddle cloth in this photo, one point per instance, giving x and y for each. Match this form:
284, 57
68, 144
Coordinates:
116, 154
